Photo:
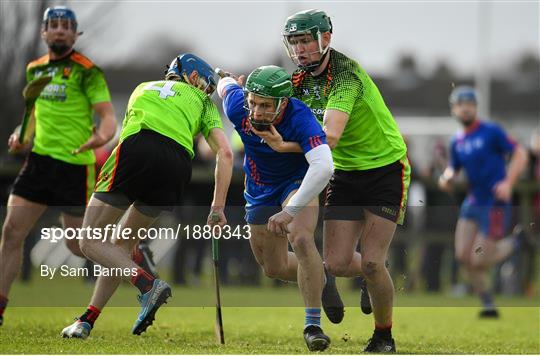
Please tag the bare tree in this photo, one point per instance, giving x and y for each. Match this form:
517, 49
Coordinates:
20, 38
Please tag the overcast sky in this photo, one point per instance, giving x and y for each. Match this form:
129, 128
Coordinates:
241, 33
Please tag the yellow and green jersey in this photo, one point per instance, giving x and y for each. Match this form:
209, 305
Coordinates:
63, 111
172, 108
371, 138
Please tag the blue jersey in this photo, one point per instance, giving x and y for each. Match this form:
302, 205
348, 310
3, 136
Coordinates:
263, 165
481, 151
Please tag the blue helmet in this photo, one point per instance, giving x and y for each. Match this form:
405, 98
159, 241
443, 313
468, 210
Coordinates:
463, 93
182, 66
61, 12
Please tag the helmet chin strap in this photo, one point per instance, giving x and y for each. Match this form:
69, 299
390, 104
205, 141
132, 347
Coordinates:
320, 61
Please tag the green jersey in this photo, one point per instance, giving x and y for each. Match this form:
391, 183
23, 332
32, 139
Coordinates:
172, 108
371, 138
63, 111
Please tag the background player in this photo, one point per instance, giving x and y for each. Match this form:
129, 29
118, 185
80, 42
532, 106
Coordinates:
281, 190
60, 169
148, 172
486, 211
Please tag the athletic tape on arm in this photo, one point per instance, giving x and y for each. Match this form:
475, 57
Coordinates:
222, 84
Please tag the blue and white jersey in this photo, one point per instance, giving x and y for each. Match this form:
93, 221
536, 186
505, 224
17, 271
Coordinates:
263, 165
481, 150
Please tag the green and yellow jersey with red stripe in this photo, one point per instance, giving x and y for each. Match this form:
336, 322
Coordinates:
371, 138
63, 111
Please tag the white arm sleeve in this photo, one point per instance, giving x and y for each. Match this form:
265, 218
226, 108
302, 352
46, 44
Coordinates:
222, 84
321, 168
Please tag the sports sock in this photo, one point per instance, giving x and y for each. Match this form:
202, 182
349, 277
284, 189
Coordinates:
136, 255
313, 317
383, 332
3, 304
487, 300
90, 315
142, 280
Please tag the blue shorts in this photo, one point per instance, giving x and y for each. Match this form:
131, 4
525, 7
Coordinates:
493, 218
263, 201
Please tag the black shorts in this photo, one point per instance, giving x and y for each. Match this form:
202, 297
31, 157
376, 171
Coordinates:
382, 191
149, 169
55, 183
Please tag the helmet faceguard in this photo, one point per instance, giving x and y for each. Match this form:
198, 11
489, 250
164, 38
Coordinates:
292, 42
267, 82
303, 28
262, 125
184, 65
53, 15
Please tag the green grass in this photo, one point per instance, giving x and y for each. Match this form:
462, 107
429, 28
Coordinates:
257, 321
73, 292
261, 330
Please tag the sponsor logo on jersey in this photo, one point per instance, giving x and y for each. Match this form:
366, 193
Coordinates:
318, 112
316, 92
54, 92
50, 71
468, 146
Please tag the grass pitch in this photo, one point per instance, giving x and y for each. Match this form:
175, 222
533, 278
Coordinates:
444, 326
